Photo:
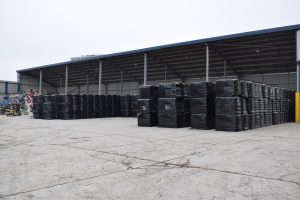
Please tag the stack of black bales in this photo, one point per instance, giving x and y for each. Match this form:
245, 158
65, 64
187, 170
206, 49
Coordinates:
202, 105
109, 106
134, 106
96, 106
261, 105
103, 112
147, 106
252, 104
244, 105
68, 106
275, 107
187, 105
126, 106
76, 106
228, 105
38, 106
283, 105
171, 105
49, 108
90, 106
115, 106
83, 106
268, 105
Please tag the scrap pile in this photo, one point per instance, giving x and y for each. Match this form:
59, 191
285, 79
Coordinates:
226, 105
83, 106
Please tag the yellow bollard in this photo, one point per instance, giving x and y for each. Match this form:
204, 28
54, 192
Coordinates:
297, 107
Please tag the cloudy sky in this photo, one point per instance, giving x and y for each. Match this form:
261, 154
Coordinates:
40, 32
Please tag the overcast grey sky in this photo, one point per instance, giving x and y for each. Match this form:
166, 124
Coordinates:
40, 32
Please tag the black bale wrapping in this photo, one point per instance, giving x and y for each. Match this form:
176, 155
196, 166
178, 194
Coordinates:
38, 107
244, 89
202, 104
68, 106
109, 106
90, 106
147, 106
76, 106
102, 100
134, 106
148, 92
96, 106
115, 106
171, 112
187, 112
126, 106
228, 106
228, 122
83, 106
170, 90
49, 108
228, 88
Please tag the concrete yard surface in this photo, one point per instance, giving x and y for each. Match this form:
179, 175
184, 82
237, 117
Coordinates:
112, 158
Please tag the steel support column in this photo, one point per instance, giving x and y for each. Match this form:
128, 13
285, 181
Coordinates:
66, 80
207, 63
100, 77
41, 80
145, 68
297, 97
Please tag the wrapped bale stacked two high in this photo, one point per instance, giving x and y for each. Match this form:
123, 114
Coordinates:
202, 105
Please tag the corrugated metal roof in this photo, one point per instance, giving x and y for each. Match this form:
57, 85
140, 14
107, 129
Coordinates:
181, 44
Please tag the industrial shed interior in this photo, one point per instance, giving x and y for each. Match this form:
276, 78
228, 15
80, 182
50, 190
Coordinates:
264, 56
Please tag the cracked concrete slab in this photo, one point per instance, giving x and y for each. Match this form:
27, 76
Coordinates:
114, 159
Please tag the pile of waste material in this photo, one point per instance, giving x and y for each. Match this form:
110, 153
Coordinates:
22, 100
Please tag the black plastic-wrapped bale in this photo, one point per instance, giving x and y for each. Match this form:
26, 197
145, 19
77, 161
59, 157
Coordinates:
245, 123
228, 88
171, 120
228, 105
103, 112
252, 121
147, 119
261, 105
275, 118
148, 92
48, 108
170, 90
147, 105
264, 91
229, 123
68, 106
134, 106
262, 119
170, 105
253, 105
202, 106
115, 106
109, 106
202, 121
186, 89
244, 89
83, 106
251, 89
96, 106
187, 119
119, 105
202, 89
38, 106
257, 120
244, 108
124, 107
90, 106
76, 106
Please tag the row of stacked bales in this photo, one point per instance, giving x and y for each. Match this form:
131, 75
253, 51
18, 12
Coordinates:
82, 106
147, 114
227, 105
202, 105
171, 105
